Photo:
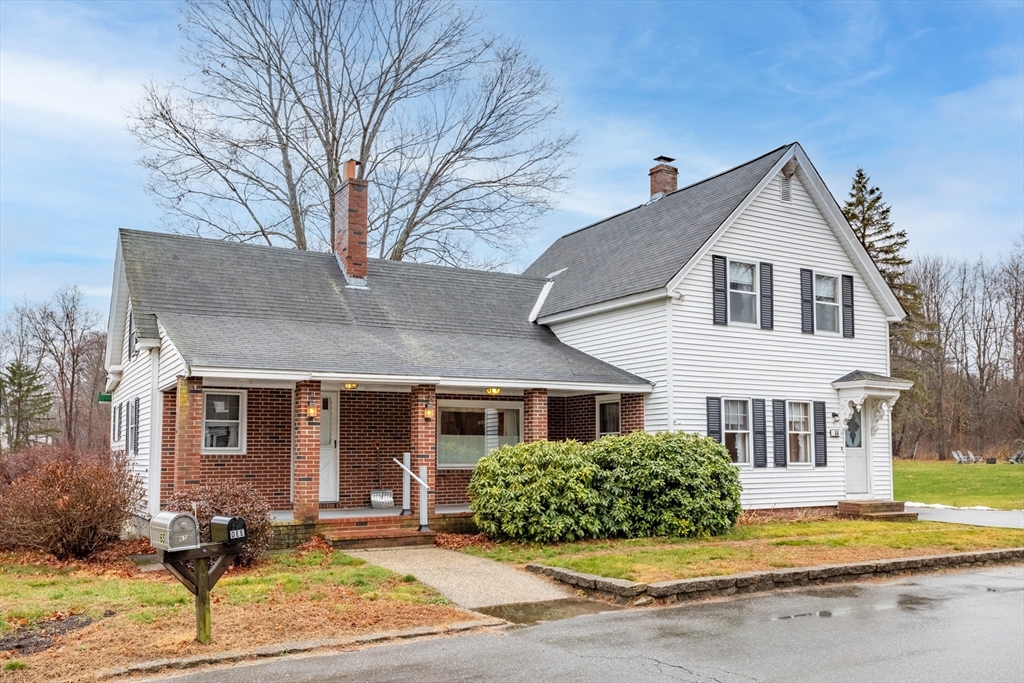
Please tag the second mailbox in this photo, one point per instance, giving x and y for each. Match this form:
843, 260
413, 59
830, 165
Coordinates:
228, 530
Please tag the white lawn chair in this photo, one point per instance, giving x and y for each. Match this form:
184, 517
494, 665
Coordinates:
975, 458
960, 459
1017, 459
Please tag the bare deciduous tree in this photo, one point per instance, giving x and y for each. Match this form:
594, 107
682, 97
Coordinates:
453, 126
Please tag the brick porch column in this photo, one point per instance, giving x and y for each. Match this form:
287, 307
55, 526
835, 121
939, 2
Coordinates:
535, 415
188, 432
307, 452
631, 417
423, 442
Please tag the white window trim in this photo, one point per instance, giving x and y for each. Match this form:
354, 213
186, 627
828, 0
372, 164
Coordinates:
606, 398
750, 431
756, 293
457, 403
838, 304
242, 420
810, 435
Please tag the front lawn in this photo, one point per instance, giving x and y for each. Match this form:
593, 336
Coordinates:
755, 547
137, 617
999, 486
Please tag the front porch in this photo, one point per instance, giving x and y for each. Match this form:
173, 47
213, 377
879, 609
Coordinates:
317, 449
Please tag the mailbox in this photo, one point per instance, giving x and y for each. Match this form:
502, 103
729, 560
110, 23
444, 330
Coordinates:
227, 530
174, 531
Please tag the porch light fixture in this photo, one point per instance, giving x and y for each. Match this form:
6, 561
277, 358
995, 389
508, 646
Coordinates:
428, 413
493, 391
313, 409
351, 386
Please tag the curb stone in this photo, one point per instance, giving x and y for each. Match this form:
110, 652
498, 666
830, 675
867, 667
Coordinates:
666, 592
278, 649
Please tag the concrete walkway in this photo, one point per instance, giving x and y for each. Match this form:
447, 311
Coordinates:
1010, 519
467, 581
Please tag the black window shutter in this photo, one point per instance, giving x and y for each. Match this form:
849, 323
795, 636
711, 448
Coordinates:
847, 305
767, 297
779, 431
120, 418
719, 286
760, 437
820, 442
806, 301
715, 418
135, 432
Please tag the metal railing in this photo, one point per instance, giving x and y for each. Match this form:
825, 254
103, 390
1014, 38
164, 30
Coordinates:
407, 476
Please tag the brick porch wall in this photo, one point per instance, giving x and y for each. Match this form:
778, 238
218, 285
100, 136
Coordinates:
167, 445
368, 420
452, 487
572, 417
423, 442
631, 413
266, 463
307, 452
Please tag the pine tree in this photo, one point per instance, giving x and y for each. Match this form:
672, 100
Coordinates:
868, 215
25, 403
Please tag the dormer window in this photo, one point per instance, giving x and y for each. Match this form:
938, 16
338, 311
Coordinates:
742, 292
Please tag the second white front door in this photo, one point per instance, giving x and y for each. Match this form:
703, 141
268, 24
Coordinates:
857, 459
329, 448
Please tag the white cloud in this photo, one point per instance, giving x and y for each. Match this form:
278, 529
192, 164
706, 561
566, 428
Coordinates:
37, 90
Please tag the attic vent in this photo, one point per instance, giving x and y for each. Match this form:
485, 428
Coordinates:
785, 188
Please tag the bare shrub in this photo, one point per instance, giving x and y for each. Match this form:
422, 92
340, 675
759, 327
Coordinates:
67, 502
236, 499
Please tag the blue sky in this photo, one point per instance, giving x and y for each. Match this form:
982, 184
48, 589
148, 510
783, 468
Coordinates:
928, 98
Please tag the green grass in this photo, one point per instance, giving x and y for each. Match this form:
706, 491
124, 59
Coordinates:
999, 486
34, 592
756, 547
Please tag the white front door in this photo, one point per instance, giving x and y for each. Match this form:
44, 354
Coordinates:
857, 460
329, 448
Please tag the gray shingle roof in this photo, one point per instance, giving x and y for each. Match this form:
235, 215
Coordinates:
859, 375
242, 306
643, 248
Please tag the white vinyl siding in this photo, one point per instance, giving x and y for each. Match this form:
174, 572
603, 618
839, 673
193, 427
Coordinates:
136, 381
172, 365
632, 339
715, 360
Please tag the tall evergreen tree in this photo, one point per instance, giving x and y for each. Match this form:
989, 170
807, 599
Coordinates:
868, 215
25, 403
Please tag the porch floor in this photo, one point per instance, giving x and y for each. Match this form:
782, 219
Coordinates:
362, 513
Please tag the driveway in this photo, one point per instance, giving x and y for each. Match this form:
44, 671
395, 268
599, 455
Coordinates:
1011, 519
952, 627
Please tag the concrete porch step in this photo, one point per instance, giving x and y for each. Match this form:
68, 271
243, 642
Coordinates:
857, 508
379, 538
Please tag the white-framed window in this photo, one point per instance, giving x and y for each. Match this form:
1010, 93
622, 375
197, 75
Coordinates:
826, 303
608, 416
736, 429
469, 430
224, 421
742, 292
799, 432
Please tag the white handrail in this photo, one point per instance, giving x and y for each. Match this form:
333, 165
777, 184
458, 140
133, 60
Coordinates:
422, 483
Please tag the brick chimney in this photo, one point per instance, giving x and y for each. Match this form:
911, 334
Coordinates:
350, 225
664, 178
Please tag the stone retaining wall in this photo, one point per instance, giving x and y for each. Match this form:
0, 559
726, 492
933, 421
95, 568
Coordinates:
667, 592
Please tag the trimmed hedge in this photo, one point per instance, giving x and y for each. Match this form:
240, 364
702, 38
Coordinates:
638, 485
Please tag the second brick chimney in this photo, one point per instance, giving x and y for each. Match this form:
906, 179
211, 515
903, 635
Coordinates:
664, 178
350, 225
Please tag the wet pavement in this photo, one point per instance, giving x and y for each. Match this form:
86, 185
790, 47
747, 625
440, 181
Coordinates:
530, 613
1010, 519
965, 626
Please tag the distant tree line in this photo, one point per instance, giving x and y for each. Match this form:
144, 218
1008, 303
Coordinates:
962, 343
51, 374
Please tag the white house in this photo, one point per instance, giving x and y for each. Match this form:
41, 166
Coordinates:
741, 306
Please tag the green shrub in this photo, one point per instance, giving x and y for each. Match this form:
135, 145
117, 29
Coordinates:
666, 484
234, 499
542, 491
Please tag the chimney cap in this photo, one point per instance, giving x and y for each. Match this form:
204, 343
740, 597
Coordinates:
664, 159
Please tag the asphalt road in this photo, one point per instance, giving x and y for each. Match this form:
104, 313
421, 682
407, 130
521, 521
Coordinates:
953, 627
